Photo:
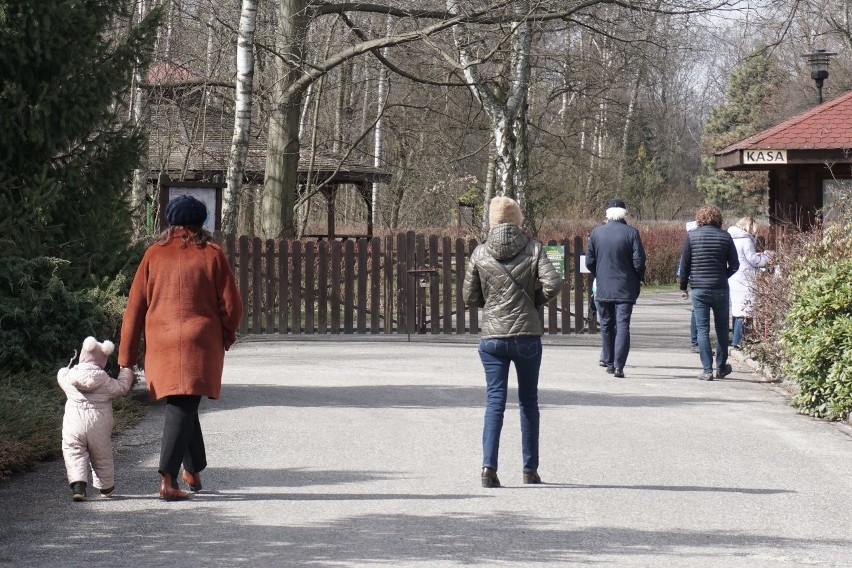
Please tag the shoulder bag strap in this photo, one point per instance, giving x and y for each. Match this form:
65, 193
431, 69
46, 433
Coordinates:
516, 283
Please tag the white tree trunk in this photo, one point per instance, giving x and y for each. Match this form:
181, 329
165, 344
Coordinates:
381, 96
502, 114
138, 103
242, 116
488, 194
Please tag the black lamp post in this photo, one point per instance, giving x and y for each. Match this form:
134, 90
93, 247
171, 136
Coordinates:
818, 59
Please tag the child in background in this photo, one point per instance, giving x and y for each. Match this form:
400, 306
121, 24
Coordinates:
87, 424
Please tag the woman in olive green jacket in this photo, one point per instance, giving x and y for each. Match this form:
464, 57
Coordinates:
507, 276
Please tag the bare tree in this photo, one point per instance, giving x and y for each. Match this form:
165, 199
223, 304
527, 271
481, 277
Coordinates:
242, 116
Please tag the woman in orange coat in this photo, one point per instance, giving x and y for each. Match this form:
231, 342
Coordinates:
185, 300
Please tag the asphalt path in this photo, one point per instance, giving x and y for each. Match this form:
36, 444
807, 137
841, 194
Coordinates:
366, 452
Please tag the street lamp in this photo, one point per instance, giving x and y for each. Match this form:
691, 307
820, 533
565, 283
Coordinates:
818, 59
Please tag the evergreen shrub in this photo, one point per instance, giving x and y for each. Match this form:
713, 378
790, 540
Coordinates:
42, 320
816, 338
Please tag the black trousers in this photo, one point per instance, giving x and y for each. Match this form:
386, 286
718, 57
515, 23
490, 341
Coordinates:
182, 440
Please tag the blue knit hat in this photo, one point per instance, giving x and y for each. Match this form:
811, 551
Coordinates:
186, 211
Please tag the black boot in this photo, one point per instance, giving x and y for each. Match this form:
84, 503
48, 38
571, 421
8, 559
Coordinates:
78, 490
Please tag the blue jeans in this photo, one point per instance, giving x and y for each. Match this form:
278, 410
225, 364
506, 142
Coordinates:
693, 330
496, 356
703, 301
739, 329
615, 332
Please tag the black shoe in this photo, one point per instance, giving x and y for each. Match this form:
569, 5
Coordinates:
610, 370
531, 477
489, 477
601, 363
705, 377
107, 493
724, 371
619, 373
695, 349
78, 491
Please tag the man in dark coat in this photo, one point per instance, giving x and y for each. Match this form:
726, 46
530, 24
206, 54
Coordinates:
616, 259
709, 257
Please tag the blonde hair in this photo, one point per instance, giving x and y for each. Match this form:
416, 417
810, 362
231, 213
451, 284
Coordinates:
748, 225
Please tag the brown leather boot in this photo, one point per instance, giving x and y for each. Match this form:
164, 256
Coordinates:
489, 477
191, 479
168, 492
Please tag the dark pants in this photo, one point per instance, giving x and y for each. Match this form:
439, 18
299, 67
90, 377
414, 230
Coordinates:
615, 332
497, 356
182, 440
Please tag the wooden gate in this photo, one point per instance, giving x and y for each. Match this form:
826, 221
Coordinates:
409, 283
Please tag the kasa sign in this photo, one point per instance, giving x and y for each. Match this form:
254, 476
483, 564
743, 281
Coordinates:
764, 157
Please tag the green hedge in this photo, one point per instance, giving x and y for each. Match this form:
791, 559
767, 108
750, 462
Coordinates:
817, 334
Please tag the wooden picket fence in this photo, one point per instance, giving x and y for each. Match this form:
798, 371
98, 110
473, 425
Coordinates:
409, 283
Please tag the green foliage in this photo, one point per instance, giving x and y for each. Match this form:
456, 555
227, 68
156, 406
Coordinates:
66, 146
42, 321
750, 97
817, 335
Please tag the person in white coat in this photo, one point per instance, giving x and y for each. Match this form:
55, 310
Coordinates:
742, 282
87, 424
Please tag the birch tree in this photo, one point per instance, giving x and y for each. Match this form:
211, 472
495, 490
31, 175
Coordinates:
242, 116
503, 99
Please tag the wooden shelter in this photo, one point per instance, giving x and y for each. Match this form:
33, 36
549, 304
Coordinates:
190, 140
808, 158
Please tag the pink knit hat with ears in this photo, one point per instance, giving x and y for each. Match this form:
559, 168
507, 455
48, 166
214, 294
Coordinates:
95, 352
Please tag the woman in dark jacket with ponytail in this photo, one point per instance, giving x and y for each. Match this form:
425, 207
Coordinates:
502, 277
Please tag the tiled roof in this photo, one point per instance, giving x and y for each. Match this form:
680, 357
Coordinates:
825, 127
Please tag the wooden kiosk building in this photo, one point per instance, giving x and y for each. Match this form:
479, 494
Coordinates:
190, 142
809, 160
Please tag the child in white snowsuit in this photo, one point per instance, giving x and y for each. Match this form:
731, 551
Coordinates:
87, 425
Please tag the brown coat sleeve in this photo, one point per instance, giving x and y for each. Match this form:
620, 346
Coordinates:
133, 321
230, 302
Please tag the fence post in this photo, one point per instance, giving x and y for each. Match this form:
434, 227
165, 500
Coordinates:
335, 287
269, 308
362, 285
375, 284
296, 288
447, 283
578, 285
461, 325
322, 287
283, 281
244, 282
348, 285
401, 283
565, 293
309, 287
474, 311
410, 284
389, 292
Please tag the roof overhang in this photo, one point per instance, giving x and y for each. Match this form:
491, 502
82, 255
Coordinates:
762, 159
